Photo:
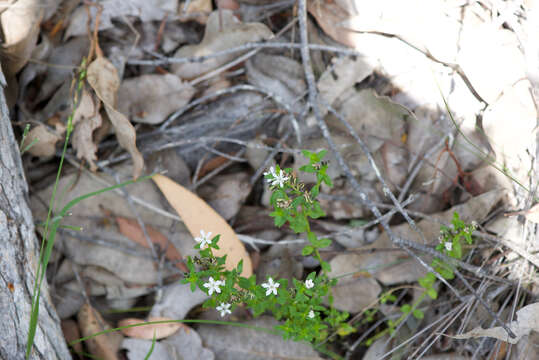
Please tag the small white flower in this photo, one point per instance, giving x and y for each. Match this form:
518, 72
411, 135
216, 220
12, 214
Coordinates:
224, 309
279, 178
213, 285
311, 314
271, 172
309, 284
448, 245
271, 287
204, 239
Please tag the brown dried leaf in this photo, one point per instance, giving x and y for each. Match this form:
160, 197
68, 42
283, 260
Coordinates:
131, 229
86, 119
198, 215
71, 332
104, 346
223, 31
151, 98
46, 141
147, 331
103, 77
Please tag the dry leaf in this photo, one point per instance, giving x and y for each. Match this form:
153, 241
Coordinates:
532, 214
223, 31
147, 331
131, 229
46, 141
197, 10
20, 29
71, 332
104, 346
113, 9
103, 77
198, 215
527, 320
151, 98
86, 119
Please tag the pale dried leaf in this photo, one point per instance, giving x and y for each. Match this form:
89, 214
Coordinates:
222, 32
103, 77
112, 9
197, 10
20, 29
103, 346
151, 98
148, 332
46, 141
86, 119
198, 215
532, 214
131, 229
527, 321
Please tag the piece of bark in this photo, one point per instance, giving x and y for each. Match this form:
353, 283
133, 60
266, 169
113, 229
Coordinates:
19, 259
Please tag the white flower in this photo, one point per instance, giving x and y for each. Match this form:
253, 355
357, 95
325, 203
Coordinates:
448, 245
309, 284
204, 239
271, 287
213, 285
311, 314
279, 178
271, 172
224, 309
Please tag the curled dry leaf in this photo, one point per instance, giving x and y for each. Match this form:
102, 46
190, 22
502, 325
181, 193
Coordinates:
20, 29
150, 99
527, 321
147, 331
196, 10
103, 78
198, 215
45, 146
86, 119
222, 33
103, 346
131, 229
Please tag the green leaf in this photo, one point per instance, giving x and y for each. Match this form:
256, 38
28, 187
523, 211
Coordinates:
307, 250
316, 211
299, 224
325, 266
432, 293
418, 314
307, 169
323, 243
321, 154
239, 268
406, 308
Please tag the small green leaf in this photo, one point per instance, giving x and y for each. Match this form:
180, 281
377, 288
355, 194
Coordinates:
323, 243
432, 293
418, 314
325, 266
307, 250
406, 308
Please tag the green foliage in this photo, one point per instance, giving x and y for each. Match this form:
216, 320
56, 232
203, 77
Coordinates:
450, 245
299, 305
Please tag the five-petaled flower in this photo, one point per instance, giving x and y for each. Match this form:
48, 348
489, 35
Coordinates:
311, 314
448, 245
271, 287
224, 309
213, 285
279, 177
204, 239
309, 284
